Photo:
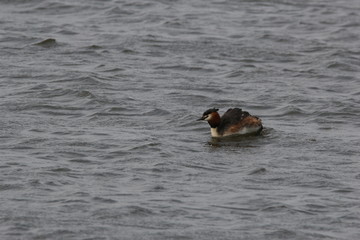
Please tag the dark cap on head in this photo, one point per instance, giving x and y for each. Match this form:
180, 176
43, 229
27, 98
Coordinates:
211, 110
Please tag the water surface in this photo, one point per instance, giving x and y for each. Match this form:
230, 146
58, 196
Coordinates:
98, 101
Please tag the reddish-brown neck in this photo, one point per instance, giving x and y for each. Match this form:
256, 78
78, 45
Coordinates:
215, 120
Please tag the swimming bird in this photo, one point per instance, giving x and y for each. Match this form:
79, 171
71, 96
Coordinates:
233, 121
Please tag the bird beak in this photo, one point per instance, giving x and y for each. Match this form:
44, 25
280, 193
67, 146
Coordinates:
202, 118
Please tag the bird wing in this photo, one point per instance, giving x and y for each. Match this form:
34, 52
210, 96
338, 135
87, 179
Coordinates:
231, 117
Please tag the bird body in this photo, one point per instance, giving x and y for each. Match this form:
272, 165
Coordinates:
233, 121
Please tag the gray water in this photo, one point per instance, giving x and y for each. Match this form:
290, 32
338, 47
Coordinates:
98, 101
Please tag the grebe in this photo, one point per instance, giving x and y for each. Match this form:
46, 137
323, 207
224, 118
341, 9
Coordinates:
234, 121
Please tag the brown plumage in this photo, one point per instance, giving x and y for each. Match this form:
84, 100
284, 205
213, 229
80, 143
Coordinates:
233, 121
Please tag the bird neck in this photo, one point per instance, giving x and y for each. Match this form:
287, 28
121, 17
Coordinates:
214, 132
215, 120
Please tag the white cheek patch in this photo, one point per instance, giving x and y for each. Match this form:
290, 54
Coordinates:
208, 117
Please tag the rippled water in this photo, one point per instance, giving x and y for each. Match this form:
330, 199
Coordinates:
98, 138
